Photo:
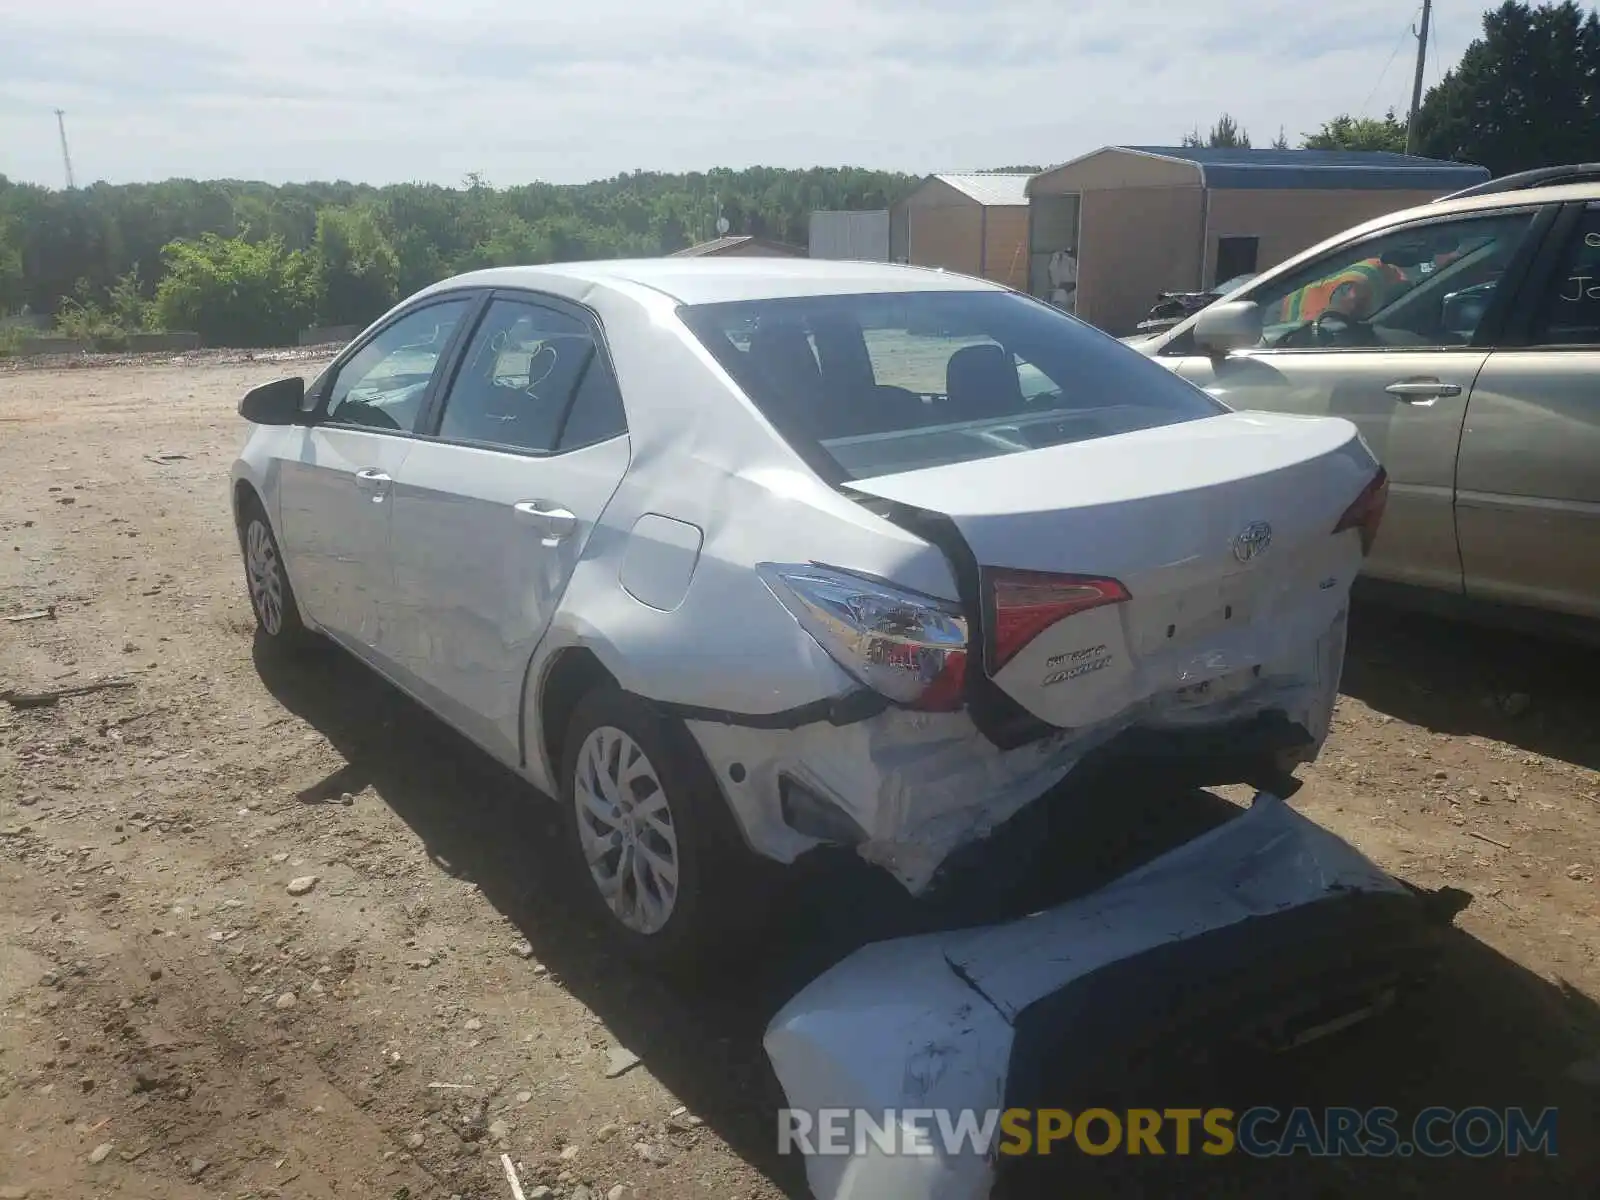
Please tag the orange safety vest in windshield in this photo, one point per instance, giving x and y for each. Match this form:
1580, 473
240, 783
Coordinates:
1355, 292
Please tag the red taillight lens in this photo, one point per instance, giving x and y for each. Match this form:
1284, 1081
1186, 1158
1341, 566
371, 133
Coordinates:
1366, 514
948, 691
1026, 603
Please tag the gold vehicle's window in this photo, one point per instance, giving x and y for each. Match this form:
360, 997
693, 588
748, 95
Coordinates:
1569, 311
1420, 286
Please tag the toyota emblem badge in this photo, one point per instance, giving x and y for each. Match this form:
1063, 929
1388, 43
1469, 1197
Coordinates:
1252, 541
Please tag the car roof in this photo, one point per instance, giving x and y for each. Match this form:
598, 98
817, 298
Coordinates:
715, 280
1570, 193
1567, 193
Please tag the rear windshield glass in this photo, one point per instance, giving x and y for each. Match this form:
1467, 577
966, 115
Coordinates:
905, 380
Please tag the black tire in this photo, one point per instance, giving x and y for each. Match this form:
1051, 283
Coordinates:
266, 580
717, 902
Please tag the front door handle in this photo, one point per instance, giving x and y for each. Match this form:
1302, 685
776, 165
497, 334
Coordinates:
1422, 392
554, 524
375, 482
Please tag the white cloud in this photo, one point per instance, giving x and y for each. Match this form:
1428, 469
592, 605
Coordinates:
383, 90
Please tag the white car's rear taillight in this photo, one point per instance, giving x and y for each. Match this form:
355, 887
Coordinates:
1026, 603
903, 645
1366, 512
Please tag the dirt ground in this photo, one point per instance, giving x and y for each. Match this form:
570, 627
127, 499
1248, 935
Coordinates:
175, 1023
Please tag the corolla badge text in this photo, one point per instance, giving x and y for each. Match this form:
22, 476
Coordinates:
1075, 664
1252, 541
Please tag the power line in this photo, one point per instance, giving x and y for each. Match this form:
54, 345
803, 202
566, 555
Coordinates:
1438, 59
66, 156
1405, 30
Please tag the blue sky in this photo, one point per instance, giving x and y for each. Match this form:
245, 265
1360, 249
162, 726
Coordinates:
386, 90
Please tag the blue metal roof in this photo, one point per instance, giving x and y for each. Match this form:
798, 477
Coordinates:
1368, 170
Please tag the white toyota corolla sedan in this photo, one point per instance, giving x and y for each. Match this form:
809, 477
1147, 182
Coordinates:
742, 557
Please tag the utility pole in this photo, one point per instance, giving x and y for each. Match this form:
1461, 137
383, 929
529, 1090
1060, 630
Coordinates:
1416, 80
66, 158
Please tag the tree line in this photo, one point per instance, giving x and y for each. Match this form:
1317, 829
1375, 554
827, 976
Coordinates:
251, 263
1525, 94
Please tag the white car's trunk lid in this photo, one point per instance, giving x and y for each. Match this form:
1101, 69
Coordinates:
1220, 533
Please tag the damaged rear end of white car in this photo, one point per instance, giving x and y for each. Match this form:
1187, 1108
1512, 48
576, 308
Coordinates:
1254, 938
1142, 594
1138, 577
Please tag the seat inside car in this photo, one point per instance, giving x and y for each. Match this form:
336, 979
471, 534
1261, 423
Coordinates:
981, 381
781, 352
859, 403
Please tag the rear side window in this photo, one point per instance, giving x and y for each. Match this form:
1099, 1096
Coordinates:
533, 379
596, 409
1570, 309
896, 382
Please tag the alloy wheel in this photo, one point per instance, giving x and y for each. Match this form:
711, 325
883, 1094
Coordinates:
626, 830
265, 575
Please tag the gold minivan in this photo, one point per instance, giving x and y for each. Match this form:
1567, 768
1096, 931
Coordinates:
1463, 339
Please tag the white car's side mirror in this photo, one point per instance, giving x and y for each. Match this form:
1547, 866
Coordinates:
1226, 327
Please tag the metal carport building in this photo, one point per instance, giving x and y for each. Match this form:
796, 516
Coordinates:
975, 223
1147, 219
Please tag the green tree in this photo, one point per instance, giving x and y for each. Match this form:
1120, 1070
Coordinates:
1345, 132
425, 226
236, 293
81, 317
357, 270
1525, 94
127, 306
11, 290
1226, 133
513, 242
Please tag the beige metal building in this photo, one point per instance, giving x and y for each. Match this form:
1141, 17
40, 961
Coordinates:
1129, 222
976, 224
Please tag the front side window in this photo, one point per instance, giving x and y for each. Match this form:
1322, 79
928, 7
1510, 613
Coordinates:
1569, 311
899, 381
383, 384
518, 377
1420, 286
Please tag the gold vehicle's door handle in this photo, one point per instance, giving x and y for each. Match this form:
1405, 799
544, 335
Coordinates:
1422, 392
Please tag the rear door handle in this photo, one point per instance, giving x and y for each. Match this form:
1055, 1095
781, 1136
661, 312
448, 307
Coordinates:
554, 524
1422, 392
374, 481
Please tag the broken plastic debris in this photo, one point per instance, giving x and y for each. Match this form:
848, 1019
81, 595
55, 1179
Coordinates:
619, 1061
